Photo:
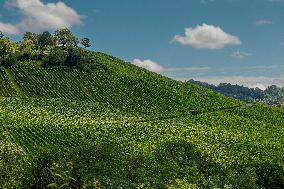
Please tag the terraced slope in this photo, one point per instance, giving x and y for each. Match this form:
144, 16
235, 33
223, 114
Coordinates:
124, 127
6, 86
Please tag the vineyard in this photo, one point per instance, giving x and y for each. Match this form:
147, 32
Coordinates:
121, 126
6, 89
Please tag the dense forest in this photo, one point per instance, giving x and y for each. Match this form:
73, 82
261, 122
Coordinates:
272, 95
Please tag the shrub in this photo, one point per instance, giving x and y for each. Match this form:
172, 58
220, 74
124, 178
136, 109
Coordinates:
270, 176
75, 57
55, 57
8, 61
7, 52
27, 51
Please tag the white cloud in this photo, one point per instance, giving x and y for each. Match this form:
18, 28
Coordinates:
155, 67
240, 55
149, 65
282, 44
37, 16
9, 29
207, 36
248, 81
263, 22
260, 86
185, 69
203, 74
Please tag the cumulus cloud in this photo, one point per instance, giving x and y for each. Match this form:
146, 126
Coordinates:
9, 29
240, 55
260, 86
263, 22
205, 74
149, 65
206, 36
261, 82
168, 71
37, 16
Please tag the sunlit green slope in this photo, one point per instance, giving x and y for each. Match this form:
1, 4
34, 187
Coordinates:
124, 127
113, 82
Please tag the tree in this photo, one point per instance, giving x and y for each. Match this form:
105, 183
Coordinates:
75, 57
86, 42
27, 50
45, 39
31, 36
55, 57
1, 35
66, 38
8, 51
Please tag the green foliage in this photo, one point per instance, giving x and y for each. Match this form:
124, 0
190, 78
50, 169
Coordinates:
124, 127
55, 57
270, 175
272, 95
8, 51
62, 175
65, 38
86, 42
8, 61
1, 35
181, 184
75, 57
31, 36
27, 51
12, 162
6, 88
58, 50
46, 39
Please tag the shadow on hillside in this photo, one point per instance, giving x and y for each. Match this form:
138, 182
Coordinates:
270, 175
109, 166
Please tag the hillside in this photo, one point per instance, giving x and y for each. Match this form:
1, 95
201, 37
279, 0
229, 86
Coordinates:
120, 126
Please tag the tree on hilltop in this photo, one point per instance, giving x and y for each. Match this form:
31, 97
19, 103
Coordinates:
58, 49
8, 51
27, 50
1, 35
31, 36
46, 39
66, 38
86, 42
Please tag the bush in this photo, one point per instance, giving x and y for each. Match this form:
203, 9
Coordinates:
270, 176
55, 57
8, 61
75, 57
40, 175
27, 51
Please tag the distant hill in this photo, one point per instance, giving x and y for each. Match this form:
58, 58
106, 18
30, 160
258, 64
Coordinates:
272, 95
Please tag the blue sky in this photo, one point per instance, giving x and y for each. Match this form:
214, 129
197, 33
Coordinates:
236, 41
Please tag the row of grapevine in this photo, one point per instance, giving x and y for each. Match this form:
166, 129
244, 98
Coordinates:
232, 134
6, 89
143, 93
